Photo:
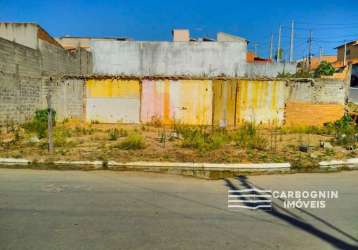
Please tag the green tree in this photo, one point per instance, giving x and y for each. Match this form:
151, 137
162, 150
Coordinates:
324, 69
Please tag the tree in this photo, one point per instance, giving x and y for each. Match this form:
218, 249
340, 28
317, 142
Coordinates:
324, 69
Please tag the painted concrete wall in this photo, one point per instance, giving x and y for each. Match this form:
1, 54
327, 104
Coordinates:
183, 101
269, 69
261, 102
224, 104
113, 101
169, 58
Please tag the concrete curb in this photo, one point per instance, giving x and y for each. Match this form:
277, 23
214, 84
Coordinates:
202, 170
351, 164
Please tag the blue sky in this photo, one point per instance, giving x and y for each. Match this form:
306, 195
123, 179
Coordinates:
331, 21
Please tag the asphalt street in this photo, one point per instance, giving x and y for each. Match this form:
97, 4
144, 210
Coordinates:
42, 209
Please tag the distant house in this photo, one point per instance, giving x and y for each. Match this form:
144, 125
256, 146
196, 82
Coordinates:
351, 53
251, 57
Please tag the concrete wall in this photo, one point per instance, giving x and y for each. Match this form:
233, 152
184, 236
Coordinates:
21, 33
269, 69
260, 102
113, 101
183, 101
315, 102
24, 81
57, 61
219, 102
169, 58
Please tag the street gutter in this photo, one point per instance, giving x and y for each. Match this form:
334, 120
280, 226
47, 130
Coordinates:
200, 170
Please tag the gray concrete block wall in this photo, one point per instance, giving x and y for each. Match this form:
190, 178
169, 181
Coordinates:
24, 81
317, 91
56, 60
169, 58
68, 98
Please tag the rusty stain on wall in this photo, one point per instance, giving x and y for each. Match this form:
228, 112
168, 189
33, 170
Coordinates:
184, 101
261, 102
219, 102
224, 94
113, 100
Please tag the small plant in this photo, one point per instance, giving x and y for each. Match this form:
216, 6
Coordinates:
162, 137
248, 137
113, 134
133, 141
39, 122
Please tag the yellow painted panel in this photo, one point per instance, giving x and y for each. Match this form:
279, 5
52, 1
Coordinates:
261, 102
113, 88
195, 103
224, 92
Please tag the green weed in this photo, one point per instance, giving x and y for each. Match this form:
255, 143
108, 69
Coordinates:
133, 141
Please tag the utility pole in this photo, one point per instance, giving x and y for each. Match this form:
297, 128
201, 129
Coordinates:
49, 118
271, 46
255, 48
320, 53
345, 54
278, 59
309, 50
292, 43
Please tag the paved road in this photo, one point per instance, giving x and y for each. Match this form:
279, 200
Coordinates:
118, 210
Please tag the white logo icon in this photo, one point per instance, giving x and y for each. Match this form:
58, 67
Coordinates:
252, 198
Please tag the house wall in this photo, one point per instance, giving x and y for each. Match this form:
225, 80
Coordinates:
352, 54
169, 58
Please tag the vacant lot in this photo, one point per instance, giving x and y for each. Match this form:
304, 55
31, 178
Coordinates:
303, 147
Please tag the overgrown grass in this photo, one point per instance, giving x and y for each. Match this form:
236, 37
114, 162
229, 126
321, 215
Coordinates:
199, 138
132, 142
247, 136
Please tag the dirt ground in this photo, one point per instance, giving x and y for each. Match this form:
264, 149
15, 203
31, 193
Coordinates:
80, 141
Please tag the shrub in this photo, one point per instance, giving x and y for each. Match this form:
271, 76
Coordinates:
39, 122
344, 130
133, 141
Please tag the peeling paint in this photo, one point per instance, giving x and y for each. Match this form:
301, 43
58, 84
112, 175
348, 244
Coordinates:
113, 100
261, 102
184, 101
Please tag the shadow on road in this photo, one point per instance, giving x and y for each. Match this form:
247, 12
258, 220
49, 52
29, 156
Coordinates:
283, 214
